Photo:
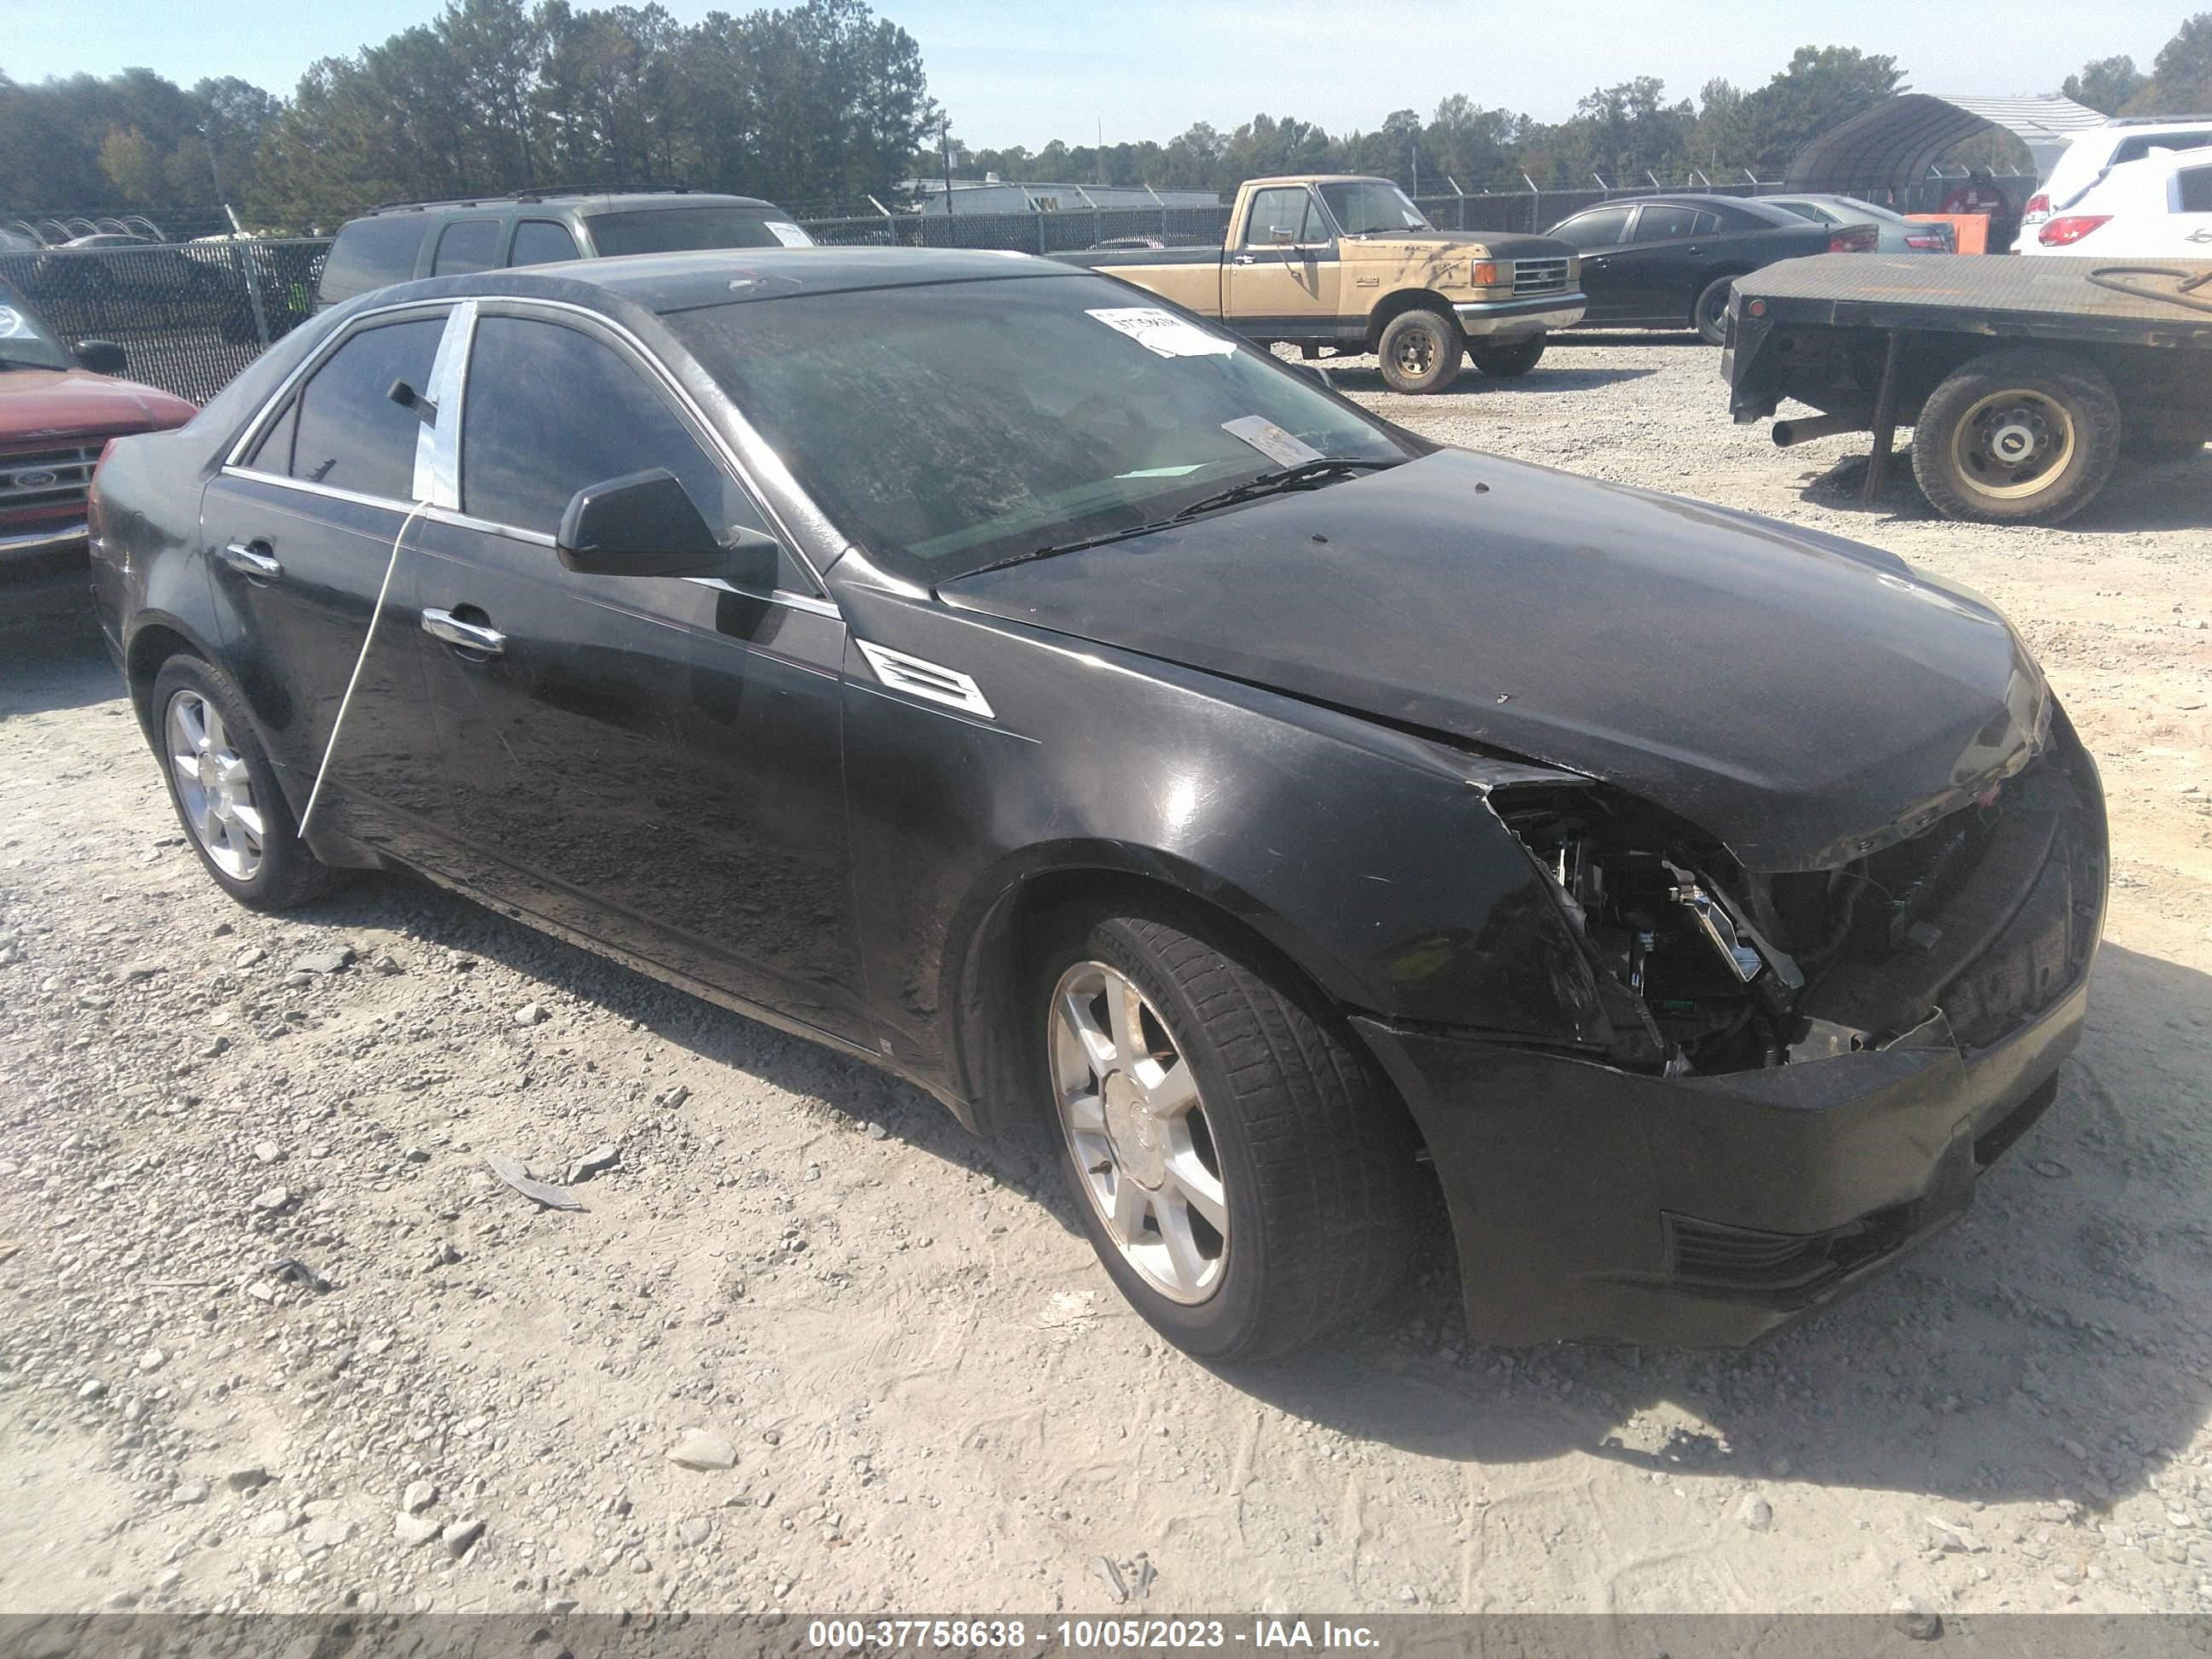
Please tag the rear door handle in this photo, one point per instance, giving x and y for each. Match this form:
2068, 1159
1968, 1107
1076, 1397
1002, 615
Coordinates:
253, 559
469, 636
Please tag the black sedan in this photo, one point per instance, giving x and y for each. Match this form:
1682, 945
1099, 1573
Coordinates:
971, 663
1667, 261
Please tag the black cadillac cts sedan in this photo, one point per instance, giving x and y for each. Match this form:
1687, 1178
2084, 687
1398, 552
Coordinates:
973, 665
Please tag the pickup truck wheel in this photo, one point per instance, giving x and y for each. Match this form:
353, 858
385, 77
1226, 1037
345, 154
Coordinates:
1241, 1173
226, 792
1420, 351
2017, 437
1710, 315
1507, 358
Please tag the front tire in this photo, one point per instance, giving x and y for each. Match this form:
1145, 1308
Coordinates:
1420, 352
1505, 359
1242, 1173
2024, 436
225, 791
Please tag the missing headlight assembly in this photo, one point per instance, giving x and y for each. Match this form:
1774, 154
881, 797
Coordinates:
1714, 991
1726, 969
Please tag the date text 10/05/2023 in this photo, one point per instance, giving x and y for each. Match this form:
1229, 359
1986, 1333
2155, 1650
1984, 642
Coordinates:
1015, 1635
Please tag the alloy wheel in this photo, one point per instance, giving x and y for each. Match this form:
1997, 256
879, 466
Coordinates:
1136, 1126
213, 788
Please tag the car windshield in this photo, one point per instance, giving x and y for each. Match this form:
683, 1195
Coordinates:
1371, 207
24, 341
953, 425
681, 230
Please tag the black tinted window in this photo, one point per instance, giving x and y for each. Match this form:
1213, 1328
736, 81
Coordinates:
2195, 190
1600, 229
350, 434
274, 453
467, 244
542, 242
550, 410
372, 253
2134, 150
1667, 224
671, 230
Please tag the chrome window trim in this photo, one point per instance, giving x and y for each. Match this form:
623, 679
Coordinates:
307, 487
711, 439
438, 445
235, 460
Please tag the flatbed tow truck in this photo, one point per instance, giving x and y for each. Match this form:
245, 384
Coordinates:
2024, 379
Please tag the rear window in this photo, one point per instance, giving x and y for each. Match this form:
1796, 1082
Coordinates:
468, 245
542, 242
672, 230
1668, 224
372, 253
2195, 190
1600, 229
2134, 150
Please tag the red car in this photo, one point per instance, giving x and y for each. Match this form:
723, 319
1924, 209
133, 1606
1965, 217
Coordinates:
59, 408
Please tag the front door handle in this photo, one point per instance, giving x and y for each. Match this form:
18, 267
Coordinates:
1240, 259
468, 636
253, 559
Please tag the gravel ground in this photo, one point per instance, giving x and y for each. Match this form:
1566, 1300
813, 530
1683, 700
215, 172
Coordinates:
810, 1347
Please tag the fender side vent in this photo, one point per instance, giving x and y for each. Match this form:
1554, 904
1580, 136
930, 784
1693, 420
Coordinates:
916, 678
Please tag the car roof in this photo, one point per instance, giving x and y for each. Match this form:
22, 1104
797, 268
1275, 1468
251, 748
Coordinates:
598, 200
668, 283
1760, 210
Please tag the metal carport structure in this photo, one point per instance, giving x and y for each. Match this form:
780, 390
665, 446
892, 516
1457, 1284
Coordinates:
1892, 145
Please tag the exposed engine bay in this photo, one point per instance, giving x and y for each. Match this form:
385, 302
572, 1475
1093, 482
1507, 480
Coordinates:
1705, 966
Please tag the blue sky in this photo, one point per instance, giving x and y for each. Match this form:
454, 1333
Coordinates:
1149, 68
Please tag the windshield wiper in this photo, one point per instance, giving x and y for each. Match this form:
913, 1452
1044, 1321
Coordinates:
1306, 475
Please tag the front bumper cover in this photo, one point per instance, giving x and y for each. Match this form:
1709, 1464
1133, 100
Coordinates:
1506, 319
1594, 1203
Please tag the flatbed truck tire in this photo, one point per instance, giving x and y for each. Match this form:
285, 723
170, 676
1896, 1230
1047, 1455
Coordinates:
2025, 436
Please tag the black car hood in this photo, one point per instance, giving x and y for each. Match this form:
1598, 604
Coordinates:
1801, 697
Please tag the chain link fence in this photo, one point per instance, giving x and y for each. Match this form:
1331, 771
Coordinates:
188, 315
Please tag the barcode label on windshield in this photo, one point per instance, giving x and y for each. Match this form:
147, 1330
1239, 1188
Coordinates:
1285, 449
1164, 333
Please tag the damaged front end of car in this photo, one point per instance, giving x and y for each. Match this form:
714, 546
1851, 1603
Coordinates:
1805, 1071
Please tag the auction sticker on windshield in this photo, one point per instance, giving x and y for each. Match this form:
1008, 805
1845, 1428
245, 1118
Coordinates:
1164, 333
1285, 449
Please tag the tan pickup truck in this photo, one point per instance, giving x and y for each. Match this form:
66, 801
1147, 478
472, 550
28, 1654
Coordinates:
1337, 262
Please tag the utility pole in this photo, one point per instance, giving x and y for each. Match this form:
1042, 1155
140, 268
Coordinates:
945, 149
1102, 149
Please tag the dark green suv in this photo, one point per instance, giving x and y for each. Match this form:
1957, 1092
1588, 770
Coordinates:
407, 240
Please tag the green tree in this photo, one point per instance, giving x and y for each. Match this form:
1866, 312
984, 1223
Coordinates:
1822, 88
2105, 85
2181, 74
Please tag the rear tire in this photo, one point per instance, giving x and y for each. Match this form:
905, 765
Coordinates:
1709, 316
2023, 436
1505, 359
225, 791
1420, 352
1244, 1175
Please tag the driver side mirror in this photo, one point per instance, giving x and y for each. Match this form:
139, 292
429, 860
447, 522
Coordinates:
646, 524
99, 356
1281, 235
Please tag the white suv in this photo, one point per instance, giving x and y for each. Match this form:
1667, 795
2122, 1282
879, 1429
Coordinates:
2158, 208
2094, 153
